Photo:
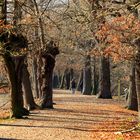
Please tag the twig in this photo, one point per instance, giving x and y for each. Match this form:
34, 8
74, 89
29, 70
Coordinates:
5, 104
128, 130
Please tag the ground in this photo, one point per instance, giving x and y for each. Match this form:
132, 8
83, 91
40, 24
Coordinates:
74, 117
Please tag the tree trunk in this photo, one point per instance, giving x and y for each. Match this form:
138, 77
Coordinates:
40, 24
3, 11
55, 81
39, 76
17, 14
68, 78
29, 100
87, 80
137, 60
62, 81
95, 78
80, 82
49, 63
138, 85
71, 74
42, 44
35, 81
14, 66
48, 59
105, 83
132, 102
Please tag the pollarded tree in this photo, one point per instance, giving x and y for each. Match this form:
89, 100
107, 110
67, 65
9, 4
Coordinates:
11, 45
48, 57
16, 20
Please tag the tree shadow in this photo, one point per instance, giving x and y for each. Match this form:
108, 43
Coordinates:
85, 129
65, 120
95, 113
8, 139
89, 100
70, 119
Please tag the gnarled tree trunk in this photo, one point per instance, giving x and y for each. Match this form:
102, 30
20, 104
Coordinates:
14, 68
49, 63
48, 59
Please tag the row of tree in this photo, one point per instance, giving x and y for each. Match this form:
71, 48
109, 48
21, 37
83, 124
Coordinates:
104, 29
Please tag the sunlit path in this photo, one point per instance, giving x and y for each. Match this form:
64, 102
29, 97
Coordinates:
74, 117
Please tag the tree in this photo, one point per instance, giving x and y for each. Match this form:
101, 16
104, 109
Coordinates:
105, 84
47, 74
118, 36
95, 87
80, 82
29, 100
132, 102
87, 87
10, 43
137, 60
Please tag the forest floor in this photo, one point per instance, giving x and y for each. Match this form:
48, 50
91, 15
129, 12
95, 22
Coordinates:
74, 117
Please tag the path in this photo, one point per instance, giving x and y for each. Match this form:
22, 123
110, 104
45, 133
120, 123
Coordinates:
75, 117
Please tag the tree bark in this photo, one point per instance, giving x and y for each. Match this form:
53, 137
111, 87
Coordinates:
137, 60
39, 76
95, 78
55, 81
35, 81
29, 100
80, 82
3, 11
68, 78
105, 84
42, 44
49, 63
62, 81
87, 80
132, 102
14, 66
48, 59
71, 74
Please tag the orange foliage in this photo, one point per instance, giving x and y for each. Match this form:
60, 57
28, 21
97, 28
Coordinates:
3, 27
117, 37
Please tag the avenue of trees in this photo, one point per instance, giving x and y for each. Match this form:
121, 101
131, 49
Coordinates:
44, 44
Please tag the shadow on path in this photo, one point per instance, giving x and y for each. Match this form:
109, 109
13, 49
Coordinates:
59, 127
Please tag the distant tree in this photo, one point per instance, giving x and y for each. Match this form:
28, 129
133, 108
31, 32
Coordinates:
132, 102
105, 83
87, 85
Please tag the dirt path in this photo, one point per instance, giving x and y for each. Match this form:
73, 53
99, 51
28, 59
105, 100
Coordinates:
75, 117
